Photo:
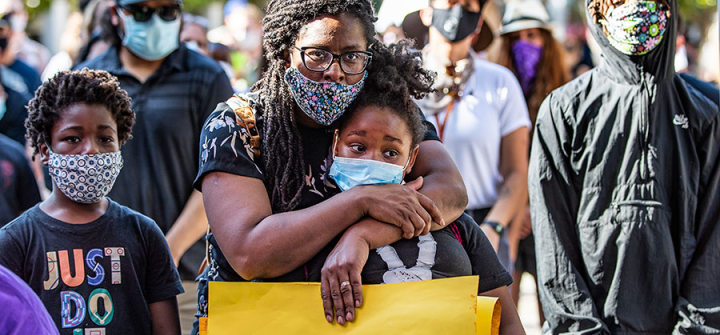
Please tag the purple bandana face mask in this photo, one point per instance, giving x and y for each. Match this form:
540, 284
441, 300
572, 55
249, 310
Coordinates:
526, 57
323, 102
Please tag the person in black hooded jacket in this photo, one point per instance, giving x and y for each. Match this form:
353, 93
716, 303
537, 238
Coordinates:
624, 184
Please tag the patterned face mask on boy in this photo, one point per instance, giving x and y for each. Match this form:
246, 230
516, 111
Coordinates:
324, 102
635, 28
85, 179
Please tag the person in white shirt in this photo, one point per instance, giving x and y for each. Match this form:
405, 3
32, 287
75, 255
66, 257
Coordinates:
481, 116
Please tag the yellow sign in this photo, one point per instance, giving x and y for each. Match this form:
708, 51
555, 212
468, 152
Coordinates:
441, 306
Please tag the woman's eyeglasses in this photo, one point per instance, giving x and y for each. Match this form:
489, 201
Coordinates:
144, 14
319, 60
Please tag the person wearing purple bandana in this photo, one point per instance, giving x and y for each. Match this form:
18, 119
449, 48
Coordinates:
481, 116
528, 48
624, 186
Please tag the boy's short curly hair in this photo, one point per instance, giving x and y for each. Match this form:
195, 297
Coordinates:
71, 87
397, 77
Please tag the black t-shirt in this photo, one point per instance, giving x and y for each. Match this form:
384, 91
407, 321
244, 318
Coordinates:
170, 107
102, 274
460, 249
18, 189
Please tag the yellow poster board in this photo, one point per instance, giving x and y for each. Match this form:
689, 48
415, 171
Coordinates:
441, 306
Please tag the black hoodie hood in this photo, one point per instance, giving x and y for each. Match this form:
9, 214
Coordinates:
657, 65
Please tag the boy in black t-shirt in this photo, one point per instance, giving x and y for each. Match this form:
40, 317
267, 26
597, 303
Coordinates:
97, 266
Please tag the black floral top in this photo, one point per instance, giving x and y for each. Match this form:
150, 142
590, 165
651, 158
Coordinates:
225, 147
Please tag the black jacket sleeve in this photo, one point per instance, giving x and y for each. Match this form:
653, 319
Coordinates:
698, 307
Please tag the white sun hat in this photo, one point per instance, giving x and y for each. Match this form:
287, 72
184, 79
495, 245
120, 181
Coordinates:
524, 14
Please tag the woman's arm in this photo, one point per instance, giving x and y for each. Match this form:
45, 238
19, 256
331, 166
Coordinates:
164, 315
514, 191
441, 181
260, 244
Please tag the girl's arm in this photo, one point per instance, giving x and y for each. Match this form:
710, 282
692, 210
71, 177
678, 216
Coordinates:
260, 244
165, 317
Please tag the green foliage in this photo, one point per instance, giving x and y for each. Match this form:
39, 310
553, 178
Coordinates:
698, 11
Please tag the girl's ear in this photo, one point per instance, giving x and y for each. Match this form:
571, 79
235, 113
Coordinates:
413, 156
44, 154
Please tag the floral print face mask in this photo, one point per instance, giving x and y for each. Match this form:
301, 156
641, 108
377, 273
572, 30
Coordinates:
635, 28
323, 102
85, 179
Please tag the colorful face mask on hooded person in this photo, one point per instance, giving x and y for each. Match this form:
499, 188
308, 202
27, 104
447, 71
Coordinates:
635, 28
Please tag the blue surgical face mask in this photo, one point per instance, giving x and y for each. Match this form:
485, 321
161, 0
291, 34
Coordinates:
151, 40
351, 172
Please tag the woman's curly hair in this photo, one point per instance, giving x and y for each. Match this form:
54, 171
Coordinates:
281, 146
398, 76
71, 87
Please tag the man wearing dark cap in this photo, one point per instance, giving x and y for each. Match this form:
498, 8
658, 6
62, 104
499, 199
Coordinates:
173, 91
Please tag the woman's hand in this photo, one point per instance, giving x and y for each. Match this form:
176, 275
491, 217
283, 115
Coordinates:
341, 284
402, 206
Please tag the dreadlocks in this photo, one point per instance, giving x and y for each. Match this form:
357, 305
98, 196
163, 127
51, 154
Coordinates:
71, 87
398, 77
282, 147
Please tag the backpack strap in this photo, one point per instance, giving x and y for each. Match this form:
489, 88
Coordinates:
245, 117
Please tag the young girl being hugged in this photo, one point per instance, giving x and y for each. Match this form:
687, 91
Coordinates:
96, 265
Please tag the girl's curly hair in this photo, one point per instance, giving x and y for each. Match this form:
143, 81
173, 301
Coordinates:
398, 76
71, 87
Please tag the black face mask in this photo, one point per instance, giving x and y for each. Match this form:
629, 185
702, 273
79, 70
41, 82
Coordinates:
456, 23
3, 44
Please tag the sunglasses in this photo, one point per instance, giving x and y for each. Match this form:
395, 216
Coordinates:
144, 14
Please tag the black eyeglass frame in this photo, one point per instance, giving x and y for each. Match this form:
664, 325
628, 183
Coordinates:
144, 10
334, 57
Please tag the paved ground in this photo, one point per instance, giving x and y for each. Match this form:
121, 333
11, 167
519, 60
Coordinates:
528, 307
